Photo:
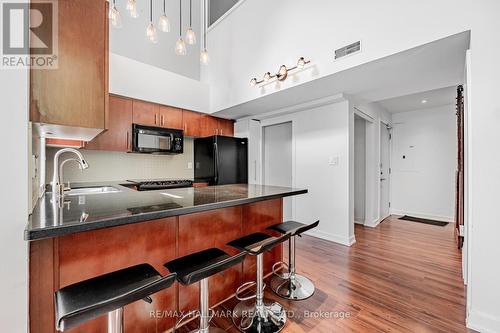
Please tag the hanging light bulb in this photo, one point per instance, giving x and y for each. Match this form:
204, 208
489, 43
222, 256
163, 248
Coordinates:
253, 82
151, 32
301, 63
164, 23
267, 76
190, 35
132, 8
114, 16
180, 45
204, 58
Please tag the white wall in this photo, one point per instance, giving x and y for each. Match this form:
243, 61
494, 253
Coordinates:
107, 166
359, 169
423, 182
131, 78
320, 139
130, 40
14, 199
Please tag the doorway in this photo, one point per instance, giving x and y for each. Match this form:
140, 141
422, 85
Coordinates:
385, 170
277, 160
359, 170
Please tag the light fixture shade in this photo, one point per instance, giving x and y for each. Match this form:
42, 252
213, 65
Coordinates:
267, 76
190, 36
180, 47
132, 8
164, 23
301, 63
253, 82
114, 17
151, 33
204, 57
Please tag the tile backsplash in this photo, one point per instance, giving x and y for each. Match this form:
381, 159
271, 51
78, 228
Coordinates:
104, 165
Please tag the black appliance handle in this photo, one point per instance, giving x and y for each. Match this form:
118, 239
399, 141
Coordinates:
216, 160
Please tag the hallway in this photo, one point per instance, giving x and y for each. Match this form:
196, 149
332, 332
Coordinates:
399, 277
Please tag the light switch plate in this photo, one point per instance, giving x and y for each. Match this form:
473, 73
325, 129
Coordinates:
333, 160
190, 165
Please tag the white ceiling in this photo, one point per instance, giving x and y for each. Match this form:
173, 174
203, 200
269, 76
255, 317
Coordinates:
432, 98
428, 67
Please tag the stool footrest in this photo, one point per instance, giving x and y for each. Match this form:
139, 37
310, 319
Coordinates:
245, 286
189, 314
284, 275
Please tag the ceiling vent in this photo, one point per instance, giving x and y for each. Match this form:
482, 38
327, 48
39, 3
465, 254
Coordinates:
347, 50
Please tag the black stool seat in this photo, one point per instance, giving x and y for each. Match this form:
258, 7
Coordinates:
86, 300
292, 227
256, 243
200, 265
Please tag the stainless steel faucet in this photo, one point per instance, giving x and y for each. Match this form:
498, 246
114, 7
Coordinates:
57, 185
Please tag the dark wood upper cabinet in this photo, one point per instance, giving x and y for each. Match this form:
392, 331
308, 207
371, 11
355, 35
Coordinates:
118, 137
208, 125
146, 113
226, 127
171, 117
76, 93
191, 123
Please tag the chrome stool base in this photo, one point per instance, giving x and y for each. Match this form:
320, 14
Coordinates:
297, 288
209, 330
270, 318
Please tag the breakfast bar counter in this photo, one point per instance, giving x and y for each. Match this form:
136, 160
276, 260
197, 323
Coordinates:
89, 235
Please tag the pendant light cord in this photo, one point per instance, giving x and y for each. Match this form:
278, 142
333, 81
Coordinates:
180, 18
150, 10
190, 13
205, 14
164, 10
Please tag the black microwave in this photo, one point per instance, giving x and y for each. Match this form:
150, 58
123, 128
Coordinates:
157, 140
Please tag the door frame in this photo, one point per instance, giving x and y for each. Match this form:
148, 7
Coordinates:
388, 126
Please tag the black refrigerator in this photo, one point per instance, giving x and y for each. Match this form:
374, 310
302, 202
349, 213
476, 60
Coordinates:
220, 160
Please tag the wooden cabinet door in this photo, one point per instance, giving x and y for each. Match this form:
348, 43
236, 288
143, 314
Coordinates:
226, 127
208, 126
118, 137
76, 93
146, 113
170, 117
191, 123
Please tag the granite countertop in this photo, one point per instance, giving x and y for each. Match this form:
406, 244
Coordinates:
95, 211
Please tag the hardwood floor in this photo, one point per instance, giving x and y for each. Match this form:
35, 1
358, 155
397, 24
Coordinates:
399, 277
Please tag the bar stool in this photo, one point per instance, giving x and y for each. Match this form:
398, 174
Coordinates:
198, 267
108, 293
291, 285
261, 315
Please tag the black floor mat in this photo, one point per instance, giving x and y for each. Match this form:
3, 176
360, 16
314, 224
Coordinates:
425, 221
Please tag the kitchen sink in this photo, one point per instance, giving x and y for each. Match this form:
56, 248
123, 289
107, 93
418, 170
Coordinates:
92, 190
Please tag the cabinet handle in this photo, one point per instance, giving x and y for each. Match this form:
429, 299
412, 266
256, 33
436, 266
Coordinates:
221, 131
162, 122
128, 142
156, 116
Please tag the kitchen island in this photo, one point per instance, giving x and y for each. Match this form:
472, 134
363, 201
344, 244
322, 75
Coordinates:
89, 235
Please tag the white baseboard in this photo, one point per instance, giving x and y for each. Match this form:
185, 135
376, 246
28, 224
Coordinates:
373, 223
483, 322
347, 241
424, 216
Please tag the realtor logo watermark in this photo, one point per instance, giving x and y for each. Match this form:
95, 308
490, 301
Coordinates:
29, 34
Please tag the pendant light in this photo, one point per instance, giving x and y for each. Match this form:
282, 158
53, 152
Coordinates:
180, 46
151, 32
190, 35
204, 57
132, 8
114, 16
164, 23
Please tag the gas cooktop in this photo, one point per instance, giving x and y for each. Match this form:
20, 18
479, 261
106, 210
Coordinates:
149, 185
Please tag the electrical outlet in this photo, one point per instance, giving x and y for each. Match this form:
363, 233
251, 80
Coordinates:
190, 165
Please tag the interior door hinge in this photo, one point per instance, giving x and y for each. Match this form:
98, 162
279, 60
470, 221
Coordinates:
390, 170
390, 136
389, 204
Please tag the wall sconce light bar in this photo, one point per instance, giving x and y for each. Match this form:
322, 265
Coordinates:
282, 73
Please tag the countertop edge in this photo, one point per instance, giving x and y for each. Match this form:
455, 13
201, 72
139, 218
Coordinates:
51, 232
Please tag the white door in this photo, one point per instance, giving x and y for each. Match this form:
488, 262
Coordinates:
384, 171
277, 160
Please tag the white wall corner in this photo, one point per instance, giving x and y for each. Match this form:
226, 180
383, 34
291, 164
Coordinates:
483, 322
342, 240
